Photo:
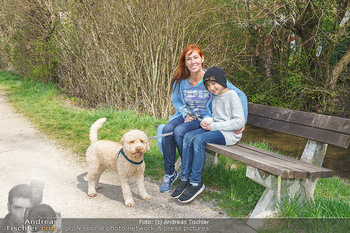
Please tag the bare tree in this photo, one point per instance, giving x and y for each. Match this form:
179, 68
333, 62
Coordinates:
123, 53
304, 18
317, 26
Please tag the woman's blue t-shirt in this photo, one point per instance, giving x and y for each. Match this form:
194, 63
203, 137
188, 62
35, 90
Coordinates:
196, 97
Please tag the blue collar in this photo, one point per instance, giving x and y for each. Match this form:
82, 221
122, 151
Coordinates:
130, 161
199, 83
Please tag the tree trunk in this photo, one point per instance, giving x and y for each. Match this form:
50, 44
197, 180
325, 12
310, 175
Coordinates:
339, 67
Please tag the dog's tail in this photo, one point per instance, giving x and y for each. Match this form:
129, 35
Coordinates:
95, 127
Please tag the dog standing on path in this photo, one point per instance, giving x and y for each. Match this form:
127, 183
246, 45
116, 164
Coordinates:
125, 157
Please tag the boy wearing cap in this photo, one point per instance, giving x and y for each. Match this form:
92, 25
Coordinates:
227, 116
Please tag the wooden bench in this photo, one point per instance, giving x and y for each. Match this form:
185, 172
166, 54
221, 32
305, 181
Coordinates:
282, 176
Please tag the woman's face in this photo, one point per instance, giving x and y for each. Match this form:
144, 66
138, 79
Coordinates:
193, 61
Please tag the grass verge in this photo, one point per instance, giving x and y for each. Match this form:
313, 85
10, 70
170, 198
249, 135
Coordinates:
64, 119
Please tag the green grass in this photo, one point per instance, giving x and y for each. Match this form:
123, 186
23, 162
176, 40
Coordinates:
67, 120
231, 189
59, 117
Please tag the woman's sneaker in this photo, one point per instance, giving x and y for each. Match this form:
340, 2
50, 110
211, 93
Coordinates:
182, 185
191, 192
167, 182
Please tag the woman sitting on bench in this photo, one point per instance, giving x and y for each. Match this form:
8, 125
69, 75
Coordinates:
228, 117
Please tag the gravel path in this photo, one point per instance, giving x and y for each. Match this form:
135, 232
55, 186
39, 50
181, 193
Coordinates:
27, 154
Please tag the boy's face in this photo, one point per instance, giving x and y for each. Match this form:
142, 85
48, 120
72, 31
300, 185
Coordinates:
17, 210
215, 87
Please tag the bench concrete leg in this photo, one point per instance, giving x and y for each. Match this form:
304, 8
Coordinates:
216, 159
178, 165
280, 189
211, 159
266, 207
277, 191
314, 153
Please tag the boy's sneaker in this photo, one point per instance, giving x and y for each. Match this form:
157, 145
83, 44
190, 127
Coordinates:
191, 192
167, 182
182, 185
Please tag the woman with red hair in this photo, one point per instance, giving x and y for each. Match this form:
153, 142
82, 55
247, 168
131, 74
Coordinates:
189, 95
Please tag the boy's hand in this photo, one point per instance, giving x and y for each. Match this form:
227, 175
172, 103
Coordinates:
240, 130
206, 125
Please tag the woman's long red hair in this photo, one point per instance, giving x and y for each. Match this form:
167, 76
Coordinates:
182, 71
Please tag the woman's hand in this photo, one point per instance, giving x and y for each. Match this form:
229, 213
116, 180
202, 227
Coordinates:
189, 118
240, 130
206, 125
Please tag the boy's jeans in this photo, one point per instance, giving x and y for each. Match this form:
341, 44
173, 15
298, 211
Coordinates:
170, 143
193, 155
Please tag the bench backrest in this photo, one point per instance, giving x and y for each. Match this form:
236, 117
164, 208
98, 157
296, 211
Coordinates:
327, 129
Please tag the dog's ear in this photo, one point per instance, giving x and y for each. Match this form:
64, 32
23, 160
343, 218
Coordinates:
122, 140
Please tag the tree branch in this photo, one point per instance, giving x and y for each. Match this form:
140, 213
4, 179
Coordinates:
339, 67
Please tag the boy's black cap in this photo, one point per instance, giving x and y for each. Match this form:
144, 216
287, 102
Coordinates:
215, 74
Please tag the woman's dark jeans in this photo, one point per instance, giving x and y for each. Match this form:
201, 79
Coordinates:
170, 143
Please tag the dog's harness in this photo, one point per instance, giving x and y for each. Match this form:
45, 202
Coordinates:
129, 160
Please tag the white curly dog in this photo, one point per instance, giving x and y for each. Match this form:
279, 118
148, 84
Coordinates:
125, 157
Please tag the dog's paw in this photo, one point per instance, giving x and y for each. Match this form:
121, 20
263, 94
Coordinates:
146, 197
129, 203
92, 194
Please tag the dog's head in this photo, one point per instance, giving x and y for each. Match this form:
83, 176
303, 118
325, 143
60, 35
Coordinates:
135, 143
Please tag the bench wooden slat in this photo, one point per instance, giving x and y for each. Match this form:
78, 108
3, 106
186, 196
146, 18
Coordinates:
250, 159
332, 123
313, 170
271, 162
255, 160
281, 163
316, 134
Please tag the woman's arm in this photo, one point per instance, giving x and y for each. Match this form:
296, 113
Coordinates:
177, 101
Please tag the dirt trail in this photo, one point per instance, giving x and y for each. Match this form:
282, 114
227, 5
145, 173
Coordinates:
27, 154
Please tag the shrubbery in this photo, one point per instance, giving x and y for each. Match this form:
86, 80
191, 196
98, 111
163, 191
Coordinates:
122, 54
